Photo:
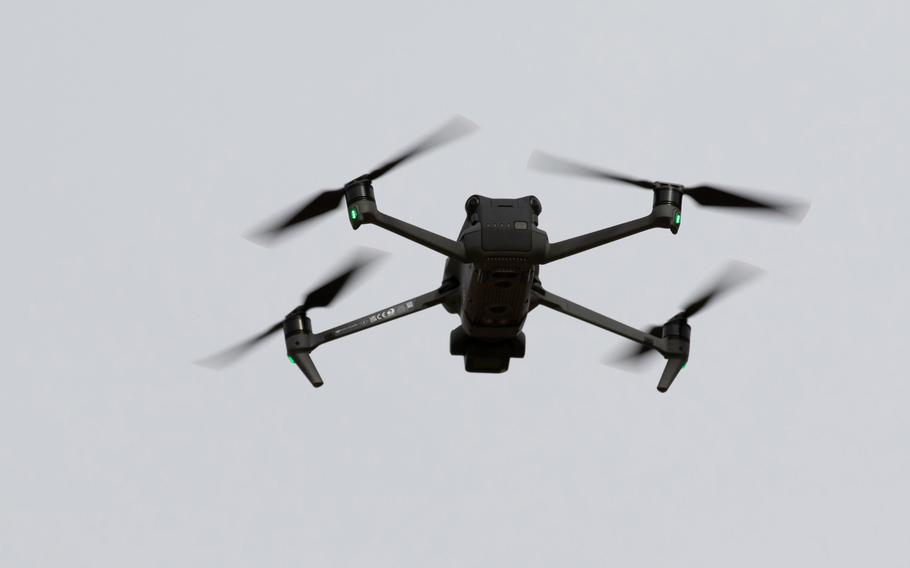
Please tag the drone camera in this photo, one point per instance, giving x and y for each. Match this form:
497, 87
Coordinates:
483, 355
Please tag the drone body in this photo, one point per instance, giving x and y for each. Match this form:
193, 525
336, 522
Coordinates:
503, 240
491, 278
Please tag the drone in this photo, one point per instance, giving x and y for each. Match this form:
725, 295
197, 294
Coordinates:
491, 278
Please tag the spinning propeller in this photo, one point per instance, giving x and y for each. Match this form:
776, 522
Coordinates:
321, 297
329, 199
735, 275
708, 195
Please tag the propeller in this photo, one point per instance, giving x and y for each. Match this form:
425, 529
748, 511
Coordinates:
707, 195
734, 275
329, 199
320, 297
635, 355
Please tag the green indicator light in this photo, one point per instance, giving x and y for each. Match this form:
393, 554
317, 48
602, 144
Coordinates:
353, 213
677, 218
291, 359
684, 365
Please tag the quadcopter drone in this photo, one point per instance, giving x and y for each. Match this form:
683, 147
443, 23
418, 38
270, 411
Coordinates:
491, 278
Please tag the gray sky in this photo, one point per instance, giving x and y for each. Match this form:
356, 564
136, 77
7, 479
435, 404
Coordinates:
142, 141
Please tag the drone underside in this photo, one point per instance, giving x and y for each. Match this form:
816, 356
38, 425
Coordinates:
491, 278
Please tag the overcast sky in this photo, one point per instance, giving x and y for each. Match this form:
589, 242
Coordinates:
141, 142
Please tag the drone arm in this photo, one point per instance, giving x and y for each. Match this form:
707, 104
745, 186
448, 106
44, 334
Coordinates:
570, 308
405, 308
588, 241
429, 239
300, 341
365, 211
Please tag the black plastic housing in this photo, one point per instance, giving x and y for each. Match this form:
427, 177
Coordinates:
298, 339
486, 355
360, 201
506, 227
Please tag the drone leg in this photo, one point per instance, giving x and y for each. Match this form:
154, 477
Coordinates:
673, 367
305, 363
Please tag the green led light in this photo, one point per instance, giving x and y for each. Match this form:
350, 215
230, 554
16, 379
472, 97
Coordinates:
291, 359
684, 364
353, 213
677, 218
